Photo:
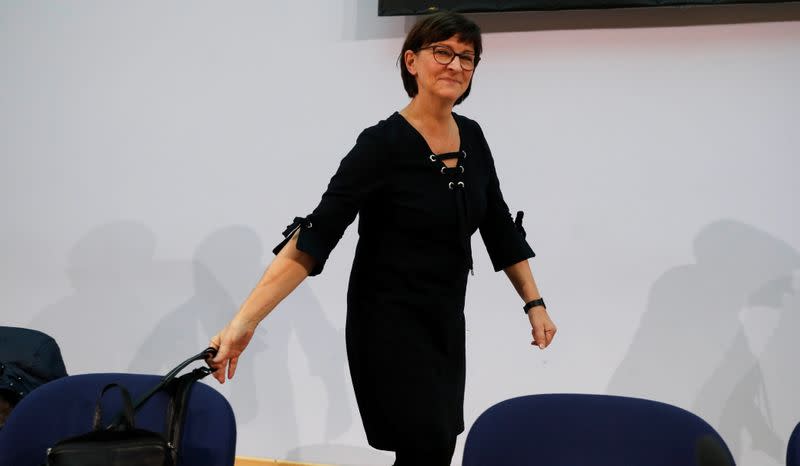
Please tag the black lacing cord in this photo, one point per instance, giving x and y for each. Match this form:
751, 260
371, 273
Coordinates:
458, 186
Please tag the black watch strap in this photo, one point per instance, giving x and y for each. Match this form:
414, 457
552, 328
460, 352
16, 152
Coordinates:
530, 304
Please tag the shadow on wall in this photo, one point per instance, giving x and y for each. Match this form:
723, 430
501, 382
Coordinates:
225, 267
116, 286
693, 350
130, 312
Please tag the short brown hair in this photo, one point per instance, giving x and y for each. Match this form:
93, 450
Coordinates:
438, 26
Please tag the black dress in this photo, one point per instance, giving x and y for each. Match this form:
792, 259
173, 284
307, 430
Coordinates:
405, 302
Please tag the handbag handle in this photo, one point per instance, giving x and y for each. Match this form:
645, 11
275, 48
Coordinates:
125, 420
203, 355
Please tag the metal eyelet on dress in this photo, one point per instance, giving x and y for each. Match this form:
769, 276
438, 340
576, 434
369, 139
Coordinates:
451, 185
462, 168
465, 153
460, 184
433, 158
309, 225
443, 168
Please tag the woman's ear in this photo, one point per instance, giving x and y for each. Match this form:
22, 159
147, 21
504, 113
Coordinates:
410, 62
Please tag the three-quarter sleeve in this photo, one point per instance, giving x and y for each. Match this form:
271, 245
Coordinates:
358, 176
504, 238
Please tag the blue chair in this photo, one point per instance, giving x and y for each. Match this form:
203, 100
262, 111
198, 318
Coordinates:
64, 408
793, 451
28, 359
591, 430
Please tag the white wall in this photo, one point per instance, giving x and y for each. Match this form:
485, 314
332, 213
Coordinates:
151, 153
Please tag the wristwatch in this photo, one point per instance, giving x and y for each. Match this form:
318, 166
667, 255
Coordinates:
532, 304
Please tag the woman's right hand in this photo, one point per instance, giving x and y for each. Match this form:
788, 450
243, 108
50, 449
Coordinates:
230, 342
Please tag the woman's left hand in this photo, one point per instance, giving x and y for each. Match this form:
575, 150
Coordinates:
543, 329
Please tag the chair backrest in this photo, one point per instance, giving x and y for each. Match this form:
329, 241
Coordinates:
28, 359
793, 450
591, 430
64, 408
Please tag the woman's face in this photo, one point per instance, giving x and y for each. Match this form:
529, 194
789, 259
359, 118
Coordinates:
448, 82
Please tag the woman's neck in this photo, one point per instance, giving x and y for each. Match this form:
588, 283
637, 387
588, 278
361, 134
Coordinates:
429, 110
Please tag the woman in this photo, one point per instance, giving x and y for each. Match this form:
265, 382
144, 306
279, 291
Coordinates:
422, 181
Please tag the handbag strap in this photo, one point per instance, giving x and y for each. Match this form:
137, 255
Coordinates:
125, 420
178, 390
203, 355
169, 377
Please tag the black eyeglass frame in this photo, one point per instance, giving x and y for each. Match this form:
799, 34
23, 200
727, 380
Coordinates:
461, 56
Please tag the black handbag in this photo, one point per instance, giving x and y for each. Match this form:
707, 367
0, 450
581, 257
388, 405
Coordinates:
121, 443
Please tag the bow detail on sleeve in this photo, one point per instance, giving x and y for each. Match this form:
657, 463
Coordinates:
518, 223
298, 222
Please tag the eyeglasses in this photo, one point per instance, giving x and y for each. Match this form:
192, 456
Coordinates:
444, 55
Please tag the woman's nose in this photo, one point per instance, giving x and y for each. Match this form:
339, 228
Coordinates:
455, 65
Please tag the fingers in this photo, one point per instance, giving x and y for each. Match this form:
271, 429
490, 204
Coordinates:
218, 362
232, 367
538, 336
549, 333
216, 343
215, 370
219, 374
543, 329
219, 370
230, 342
222, 355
